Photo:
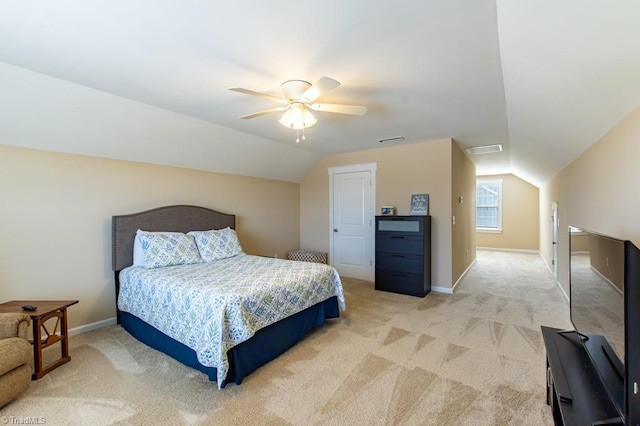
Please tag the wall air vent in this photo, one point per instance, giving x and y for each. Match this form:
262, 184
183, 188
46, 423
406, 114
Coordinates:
486, 149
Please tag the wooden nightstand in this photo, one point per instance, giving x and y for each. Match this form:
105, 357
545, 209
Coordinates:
47, 309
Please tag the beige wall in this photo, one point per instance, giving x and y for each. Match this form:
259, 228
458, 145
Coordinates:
401, 171
56, 220
605, 256
520, 216
598, 191
463, 201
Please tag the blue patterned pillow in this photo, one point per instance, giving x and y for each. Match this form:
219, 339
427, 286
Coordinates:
162, 249
217, 244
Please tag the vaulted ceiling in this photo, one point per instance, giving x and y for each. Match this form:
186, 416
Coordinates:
544, 78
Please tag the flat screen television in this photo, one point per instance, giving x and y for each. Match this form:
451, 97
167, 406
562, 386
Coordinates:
605, 301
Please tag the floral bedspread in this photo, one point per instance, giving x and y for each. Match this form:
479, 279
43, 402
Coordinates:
212, 307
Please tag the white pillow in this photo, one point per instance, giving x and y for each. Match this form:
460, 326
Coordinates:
217, 244
138, 255
160, 249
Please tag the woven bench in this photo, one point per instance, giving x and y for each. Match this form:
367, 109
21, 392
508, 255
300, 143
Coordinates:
308, 256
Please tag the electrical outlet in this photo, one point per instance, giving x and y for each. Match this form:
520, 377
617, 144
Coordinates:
453, 220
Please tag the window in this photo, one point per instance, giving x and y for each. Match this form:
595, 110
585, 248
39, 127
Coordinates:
489, 205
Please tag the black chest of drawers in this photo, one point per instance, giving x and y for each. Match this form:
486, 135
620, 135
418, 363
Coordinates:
403, 254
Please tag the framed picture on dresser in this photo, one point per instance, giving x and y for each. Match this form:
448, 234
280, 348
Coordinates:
420, 204
387, 210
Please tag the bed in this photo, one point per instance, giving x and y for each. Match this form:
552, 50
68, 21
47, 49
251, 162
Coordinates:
224, 317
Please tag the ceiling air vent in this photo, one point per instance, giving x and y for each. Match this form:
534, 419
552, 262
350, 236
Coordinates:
486, 149
391, 139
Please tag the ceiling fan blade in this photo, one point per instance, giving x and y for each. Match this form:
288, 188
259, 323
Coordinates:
322, 86
265, 112
258, 94
341, 109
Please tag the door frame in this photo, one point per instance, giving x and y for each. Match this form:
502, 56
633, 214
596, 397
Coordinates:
354, 168
555, 234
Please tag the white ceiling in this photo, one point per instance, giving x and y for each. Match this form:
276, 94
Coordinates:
545, 78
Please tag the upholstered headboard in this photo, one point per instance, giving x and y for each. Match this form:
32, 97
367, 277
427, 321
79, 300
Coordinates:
169, 218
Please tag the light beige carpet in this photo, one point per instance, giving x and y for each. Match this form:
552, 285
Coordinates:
472, 358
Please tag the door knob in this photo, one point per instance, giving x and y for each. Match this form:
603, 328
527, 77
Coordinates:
335, 229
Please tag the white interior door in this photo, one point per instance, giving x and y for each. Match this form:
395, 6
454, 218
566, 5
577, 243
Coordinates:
554, 237
352, 211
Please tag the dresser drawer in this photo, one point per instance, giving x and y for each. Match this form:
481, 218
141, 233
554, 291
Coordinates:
407, 244
400, 224
400, 262
401, 282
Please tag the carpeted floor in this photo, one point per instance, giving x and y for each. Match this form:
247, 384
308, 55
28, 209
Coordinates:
472, 358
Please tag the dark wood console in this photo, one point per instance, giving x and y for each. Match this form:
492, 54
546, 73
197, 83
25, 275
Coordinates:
575, 391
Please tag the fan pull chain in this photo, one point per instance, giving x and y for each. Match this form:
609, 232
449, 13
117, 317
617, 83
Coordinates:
297, 136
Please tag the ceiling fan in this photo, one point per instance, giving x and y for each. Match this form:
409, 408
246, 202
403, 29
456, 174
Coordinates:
299, 97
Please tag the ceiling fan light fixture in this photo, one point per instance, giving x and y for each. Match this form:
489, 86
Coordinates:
299, 97
298, 117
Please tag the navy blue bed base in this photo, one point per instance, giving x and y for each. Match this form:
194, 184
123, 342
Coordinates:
265, 345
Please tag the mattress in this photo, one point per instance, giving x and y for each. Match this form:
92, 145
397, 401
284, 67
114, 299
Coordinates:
212, 307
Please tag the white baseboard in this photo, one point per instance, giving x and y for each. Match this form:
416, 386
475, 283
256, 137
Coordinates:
463, 275
93, 326
450, 290
566, 298
509, 249
546, 264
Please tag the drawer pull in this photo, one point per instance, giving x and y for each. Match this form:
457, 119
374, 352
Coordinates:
397, 237
397, 255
